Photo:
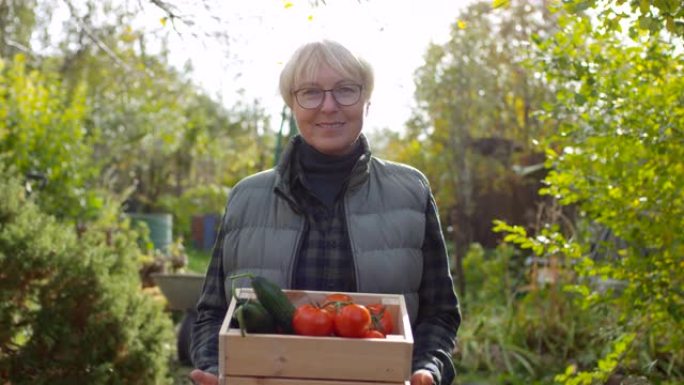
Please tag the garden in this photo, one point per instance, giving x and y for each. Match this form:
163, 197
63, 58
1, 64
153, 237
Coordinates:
552, 134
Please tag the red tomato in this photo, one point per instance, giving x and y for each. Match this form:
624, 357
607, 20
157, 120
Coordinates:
372, 333
382, 318
338, 297
310, 320
352, 320
333, 302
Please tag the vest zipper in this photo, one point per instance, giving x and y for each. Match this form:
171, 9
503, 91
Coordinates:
351, 243
298, 211
303, 230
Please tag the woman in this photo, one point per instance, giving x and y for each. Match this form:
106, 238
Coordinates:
332, 217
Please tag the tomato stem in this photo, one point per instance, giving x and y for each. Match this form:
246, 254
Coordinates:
337, 304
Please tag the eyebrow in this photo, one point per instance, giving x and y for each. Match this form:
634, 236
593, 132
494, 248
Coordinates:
316, 85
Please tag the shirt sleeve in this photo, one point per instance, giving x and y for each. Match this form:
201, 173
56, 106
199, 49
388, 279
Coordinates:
439, 315
211, 310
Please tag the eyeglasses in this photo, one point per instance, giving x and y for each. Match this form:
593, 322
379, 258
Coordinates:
311, 98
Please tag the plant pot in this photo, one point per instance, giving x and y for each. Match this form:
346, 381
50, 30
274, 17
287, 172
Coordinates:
182, 290
160, 226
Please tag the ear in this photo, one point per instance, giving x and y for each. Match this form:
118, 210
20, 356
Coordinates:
368, 107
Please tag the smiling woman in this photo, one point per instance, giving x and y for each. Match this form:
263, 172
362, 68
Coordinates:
336, 218
330, 124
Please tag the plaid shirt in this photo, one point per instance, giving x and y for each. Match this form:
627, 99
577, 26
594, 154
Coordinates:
325, 260
325, 263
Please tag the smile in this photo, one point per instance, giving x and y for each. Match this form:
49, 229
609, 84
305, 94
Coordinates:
330, 124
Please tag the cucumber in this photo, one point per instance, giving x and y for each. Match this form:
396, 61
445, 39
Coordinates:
272, 297
254, 318
275, 301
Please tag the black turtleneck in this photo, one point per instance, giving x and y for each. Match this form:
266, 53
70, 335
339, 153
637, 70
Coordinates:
325, 175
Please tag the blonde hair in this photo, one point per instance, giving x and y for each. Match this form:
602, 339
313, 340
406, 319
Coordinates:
308, 59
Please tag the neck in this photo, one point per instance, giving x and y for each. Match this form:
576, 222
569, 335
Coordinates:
312, 159
325, 175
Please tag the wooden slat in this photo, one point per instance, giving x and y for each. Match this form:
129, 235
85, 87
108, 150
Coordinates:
234, 380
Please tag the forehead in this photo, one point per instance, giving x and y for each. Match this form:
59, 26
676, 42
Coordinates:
325, 76
321, 71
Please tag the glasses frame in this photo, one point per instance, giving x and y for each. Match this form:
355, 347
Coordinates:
332, 93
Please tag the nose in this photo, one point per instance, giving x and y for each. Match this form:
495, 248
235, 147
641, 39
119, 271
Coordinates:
329, 103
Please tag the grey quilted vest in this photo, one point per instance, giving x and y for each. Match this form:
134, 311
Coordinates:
385, 206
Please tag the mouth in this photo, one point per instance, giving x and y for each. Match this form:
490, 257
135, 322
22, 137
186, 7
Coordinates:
330, 124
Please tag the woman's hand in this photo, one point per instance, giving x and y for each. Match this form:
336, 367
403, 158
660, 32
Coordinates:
203, 378
422, 377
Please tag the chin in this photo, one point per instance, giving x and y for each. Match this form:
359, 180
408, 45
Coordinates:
333, 147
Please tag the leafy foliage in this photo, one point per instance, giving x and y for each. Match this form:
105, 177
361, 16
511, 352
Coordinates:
617, 157
474, 121
133, 126
605, 366
156, 131
71, 308
106, 121
476, 86
650, 16
42, 133
520, 327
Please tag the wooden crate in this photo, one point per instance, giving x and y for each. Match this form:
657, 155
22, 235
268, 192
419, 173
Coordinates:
271, 359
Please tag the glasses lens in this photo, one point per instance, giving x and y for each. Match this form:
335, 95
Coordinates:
347, 95
310, 97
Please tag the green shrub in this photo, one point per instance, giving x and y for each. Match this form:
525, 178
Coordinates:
617, 157
523, 328
42, 131
71, 309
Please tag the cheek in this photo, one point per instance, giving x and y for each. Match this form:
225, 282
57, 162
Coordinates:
303, 117
356, 117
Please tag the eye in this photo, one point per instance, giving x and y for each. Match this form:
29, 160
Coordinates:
347, 90
310, 92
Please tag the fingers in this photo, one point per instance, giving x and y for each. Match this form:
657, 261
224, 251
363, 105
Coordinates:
421, 377
203, 378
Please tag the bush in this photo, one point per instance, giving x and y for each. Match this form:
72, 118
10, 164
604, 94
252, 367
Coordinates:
42, 133
617, 158
71, 309
519, 328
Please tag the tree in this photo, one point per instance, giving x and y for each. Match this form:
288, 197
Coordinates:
618, 156
153, 132
475, 101
653, 16
17, 23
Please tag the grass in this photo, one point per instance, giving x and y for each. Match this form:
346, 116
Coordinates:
198, 260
